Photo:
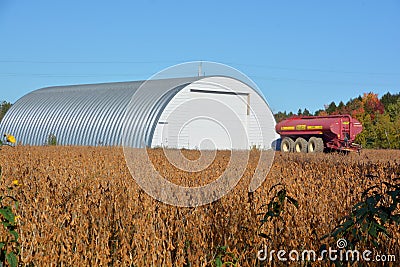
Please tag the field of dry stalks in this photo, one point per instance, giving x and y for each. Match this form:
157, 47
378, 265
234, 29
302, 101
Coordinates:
79, 206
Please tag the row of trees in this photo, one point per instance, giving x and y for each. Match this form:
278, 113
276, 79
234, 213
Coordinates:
380, 118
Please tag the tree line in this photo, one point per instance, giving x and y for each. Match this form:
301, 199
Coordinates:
380, 118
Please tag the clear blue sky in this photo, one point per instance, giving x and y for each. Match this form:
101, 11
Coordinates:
301, 54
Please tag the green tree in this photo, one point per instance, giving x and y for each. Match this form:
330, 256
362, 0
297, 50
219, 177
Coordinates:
341, 108
384, 132
331, 108
318, 112
280, 116
393, 110
306, 112
4, 107
388, 99
366, 137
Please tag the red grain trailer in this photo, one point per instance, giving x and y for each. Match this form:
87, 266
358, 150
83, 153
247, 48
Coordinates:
319, 133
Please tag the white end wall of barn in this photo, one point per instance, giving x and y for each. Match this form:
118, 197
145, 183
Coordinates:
216, 112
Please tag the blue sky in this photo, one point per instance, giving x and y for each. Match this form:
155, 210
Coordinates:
301, 54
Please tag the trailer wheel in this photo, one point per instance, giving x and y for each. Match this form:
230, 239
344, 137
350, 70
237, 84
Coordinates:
300, 145
287, 144
315, 145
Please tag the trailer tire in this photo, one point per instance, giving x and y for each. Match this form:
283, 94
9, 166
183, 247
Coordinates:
300, 145
315, 145
287, 144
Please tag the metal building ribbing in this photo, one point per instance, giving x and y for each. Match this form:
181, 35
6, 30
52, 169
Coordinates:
91, 114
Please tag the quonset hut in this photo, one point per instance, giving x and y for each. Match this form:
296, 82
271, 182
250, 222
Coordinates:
196, 112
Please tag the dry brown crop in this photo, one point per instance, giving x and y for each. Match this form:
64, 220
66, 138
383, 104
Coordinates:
79, 206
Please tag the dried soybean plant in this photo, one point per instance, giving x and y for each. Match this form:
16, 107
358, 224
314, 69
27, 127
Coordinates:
80, 207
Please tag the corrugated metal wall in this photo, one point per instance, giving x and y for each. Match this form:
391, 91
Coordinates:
92, 114
104, 114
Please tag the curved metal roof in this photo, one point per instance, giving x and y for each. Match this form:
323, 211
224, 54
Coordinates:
91, 114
